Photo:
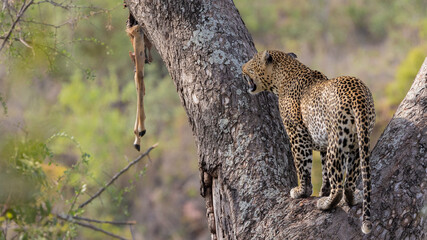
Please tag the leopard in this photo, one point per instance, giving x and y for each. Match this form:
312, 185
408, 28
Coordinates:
333, 116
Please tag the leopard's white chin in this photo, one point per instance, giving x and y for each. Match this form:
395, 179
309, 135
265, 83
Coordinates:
252, 86
252, 90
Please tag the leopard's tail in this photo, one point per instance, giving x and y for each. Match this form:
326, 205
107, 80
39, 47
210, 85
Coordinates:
363, 140
364, 112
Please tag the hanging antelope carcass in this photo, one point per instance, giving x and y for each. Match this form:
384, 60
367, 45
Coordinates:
141, 47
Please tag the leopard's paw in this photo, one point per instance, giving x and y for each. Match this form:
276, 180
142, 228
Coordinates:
353, 198
299, 192
326, 203
323, 203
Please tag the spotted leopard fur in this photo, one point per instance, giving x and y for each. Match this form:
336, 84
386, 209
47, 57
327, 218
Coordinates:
333, 116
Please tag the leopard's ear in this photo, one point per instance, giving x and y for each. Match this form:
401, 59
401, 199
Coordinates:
267, 57
292, 54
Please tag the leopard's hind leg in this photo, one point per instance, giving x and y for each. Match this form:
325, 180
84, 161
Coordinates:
325, 190
334, 163
353, 172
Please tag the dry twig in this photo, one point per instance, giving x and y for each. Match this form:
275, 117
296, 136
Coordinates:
117, 175
90, 226
101, 221
21, 12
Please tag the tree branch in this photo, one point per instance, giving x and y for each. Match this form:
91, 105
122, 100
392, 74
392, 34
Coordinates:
101, 221
47, 24
90, 226
18, 17
243, 147
4, 37
55, 4
114, 178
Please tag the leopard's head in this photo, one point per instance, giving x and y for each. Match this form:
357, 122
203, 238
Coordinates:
257, 72
267, 69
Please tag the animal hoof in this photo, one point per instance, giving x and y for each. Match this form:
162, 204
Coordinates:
142, 133
137, 147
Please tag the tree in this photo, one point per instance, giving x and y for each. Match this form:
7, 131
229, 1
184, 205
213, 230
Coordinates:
244, 156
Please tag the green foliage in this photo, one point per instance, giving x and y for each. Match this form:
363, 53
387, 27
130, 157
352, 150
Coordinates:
423, 29
405, 74
3, 104
94, 103
298, 23
372, 26
48, 33
28, 194
56, 83
76, 77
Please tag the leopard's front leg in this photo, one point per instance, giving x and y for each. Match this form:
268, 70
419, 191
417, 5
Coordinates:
303, 157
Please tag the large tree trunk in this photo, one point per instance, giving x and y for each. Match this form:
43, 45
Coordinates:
399, 168
244, 155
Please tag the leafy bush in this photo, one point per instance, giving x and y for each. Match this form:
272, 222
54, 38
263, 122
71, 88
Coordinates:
405, 75
31, 186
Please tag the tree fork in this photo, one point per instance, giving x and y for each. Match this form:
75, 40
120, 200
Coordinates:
242, 144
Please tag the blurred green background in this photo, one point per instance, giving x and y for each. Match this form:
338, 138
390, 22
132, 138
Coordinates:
68, 107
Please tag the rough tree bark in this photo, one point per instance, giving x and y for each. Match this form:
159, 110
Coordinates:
244, 155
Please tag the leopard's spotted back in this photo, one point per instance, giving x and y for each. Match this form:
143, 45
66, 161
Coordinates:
334, 116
